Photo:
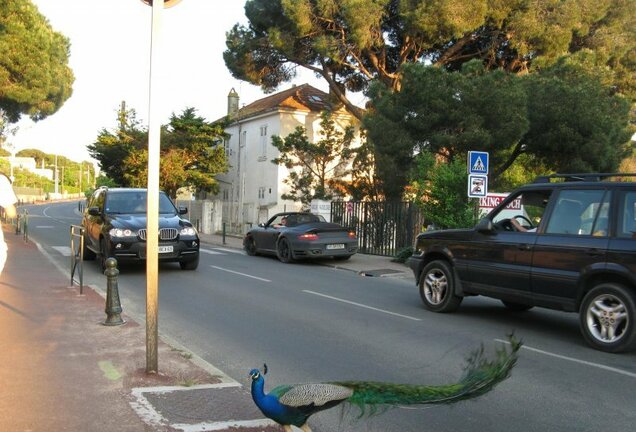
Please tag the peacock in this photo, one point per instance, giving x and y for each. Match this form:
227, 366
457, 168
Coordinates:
293, 404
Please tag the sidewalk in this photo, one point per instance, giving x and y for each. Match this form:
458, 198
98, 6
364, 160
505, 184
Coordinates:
62, 370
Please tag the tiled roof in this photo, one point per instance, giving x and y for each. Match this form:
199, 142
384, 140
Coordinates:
302, 98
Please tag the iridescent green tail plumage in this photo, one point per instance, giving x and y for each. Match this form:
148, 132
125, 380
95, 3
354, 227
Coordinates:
481, 375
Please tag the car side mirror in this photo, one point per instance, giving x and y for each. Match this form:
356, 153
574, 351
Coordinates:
94, 211
485, 225
183, 210
262, 224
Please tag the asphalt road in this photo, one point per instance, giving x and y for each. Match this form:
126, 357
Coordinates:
313, 323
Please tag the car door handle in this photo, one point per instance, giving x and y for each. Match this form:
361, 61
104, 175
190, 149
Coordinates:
524, 247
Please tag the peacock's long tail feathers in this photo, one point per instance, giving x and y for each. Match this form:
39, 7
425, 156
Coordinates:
481, 375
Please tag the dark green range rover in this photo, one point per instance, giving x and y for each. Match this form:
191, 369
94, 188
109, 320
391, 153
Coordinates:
568, 245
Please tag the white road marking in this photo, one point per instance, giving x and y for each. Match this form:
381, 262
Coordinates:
362, 305
226, 425
64, 250
572, 359
211, 252
149, 415
222, 251
234, 251
44, 226
242, 274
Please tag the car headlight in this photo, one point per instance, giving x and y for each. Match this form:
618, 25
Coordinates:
120, 232
188, 231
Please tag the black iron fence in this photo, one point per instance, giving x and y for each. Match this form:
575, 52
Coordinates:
383, 228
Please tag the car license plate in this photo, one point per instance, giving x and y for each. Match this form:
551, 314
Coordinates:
336, 246
165, 249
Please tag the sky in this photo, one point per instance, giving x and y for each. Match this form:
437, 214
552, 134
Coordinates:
110, 57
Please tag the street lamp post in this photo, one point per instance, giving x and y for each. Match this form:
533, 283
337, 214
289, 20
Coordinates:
152, 215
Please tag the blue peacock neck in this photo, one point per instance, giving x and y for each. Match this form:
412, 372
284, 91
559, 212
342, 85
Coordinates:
258, 393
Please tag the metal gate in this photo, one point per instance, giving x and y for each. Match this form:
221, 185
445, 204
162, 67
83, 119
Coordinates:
383, 228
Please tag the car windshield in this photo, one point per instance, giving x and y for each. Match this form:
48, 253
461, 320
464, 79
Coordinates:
294, 219
133, 202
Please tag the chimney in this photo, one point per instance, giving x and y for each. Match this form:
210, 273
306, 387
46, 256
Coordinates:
232, 103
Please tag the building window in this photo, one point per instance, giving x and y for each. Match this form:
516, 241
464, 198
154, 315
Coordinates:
261, 193
263, 138
243, 139
227, 148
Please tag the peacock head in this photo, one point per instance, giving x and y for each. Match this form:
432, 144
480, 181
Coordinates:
255, 374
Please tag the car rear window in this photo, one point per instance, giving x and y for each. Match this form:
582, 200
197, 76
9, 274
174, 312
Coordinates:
580, 212
627, 227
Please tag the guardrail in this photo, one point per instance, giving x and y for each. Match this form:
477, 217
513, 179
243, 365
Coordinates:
77, 255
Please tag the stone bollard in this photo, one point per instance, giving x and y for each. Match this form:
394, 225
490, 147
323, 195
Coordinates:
113, 306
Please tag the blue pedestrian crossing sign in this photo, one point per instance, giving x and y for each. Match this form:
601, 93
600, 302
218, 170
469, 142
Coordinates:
477, 162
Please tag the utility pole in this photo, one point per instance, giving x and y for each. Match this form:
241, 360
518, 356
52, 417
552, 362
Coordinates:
152, 215
56, 179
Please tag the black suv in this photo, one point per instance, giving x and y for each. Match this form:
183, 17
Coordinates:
567, 245
115, 226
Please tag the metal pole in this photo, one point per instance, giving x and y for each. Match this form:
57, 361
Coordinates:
152, 240
56, 180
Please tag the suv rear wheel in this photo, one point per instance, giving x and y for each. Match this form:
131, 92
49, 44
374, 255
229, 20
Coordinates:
608, 318
437, 287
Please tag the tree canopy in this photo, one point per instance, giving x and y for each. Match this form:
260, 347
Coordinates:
35, 78
349, 43
190, 152
446, 114
576, 125
562, 118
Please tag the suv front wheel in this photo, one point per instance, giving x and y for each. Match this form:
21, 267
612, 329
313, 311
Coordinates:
607, 316
437, 287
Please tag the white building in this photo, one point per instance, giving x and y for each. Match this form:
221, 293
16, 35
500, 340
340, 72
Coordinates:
251, 191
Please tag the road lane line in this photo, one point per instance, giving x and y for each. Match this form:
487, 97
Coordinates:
361, 305
64, 250
234, 251
572, 359
211, 252
242, 274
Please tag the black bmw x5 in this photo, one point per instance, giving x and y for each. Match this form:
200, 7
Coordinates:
568, 245
114, 225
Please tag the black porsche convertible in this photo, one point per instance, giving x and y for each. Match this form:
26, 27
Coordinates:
299, 235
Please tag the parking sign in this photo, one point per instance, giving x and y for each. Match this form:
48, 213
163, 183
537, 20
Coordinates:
477, 162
